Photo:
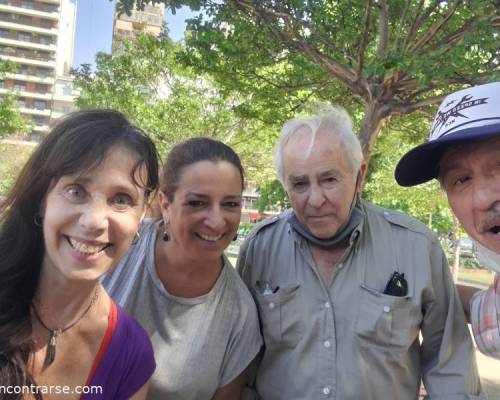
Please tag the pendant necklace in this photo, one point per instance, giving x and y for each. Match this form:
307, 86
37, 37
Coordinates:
50, 355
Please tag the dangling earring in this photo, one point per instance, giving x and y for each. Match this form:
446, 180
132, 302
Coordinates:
235, 237
136, 238
38, 220
166, 236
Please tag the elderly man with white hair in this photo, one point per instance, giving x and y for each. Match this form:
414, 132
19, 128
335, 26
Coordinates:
463, 152
344, 288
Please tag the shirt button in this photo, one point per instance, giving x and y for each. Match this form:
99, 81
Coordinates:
341, 265
327, 305
387, 308
327, 344
271, 305
326, 390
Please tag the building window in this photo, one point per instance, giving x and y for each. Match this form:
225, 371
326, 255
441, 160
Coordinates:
24, 37
67, 90
20, 86
42, 72
21, 103
27, 4
24, 19
50, 8
39, 105
38, 120
40, 88
45, 40
23, 70
4, 33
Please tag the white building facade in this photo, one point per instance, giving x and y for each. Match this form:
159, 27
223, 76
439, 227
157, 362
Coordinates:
38, 35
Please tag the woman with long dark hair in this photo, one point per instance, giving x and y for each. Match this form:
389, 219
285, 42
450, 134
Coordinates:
177, 282
73, 212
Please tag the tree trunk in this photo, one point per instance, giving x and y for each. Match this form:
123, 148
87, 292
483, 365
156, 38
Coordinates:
456, 248
370, 128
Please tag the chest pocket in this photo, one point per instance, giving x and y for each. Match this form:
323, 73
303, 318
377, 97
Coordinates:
386, 322
280, 315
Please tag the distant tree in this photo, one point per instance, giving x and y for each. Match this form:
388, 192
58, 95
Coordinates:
425, 202
272, 196
11, 120
146, 82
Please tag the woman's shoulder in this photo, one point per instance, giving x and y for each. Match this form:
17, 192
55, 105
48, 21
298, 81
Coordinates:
128, 362
132, 265
238, 291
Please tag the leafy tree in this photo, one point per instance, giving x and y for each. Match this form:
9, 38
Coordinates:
272, 196
11, 120
378, 58
146, 82
425, 202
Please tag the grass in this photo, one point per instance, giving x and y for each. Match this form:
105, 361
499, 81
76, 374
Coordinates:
476, 275
12, 159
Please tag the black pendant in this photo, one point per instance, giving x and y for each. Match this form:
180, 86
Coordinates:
50, 356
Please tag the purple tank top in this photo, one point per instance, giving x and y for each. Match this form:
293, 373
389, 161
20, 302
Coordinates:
125, 361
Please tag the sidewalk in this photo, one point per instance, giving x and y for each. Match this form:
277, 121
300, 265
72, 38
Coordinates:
489, 371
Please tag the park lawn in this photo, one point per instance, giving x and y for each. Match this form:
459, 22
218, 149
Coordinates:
476, 275
12, 159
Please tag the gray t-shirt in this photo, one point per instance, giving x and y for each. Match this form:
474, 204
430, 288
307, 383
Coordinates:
200, 343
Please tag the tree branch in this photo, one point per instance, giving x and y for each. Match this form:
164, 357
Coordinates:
419, 20
383, 30
407, 108
296, 42
431, 32
401, 25
364, 40
415, 24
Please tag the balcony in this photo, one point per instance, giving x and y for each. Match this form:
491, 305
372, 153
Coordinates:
41, 129
28, 45
33, 111
11, 9
31, 95
9, 24
29, 61
28, 77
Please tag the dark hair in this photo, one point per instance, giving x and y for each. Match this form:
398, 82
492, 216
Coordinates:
192, 151
79, 142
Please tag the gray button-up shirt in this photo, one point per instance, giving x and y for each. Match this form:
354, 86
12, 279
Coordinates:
349, 341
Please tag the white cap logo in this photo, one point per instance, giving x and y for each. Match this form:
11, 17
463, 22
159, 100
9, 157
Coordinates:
467, 108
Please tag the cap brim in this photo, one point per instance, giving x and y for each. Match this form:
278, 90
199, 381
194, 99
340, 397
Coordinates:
421, 163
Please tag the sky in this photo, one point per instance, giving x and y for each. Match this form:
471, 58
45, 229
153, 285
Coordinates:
94, 28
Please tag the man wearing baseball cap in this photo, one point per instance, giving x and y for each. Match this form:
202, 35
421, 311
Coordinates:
463, 153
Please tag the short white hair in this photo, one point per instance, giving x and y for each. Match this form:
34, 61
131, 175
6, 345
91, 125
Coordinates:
339, 123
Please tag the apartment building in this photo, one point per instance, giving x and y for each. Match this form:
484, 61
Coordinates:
38, 35
126, 26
